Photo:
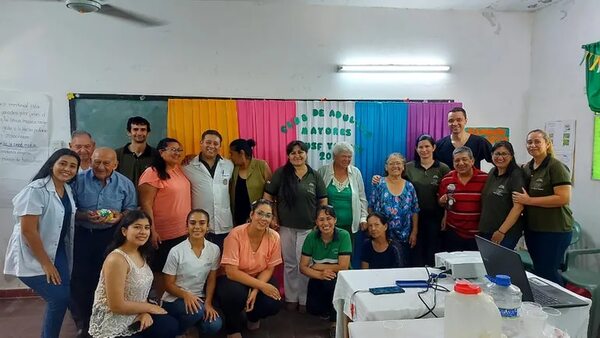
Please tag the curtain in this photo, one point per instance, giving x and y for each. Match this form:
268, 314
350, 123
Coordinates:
380, 130
263, 121
592, 75
427, 118
187, 119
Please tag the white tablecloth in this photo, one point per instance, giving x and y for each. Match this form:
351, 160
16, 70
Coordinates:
415, 328
368, 307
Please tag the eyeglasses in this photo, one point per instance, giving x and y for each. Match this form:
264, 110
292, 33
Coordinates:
175, 150
264, 215
501, 154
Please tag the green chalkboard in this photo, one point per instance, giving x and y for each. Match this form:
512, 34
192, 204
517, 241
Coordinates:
105, 117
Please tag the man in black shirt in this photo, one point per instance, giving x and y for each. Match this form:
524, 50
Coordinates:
481, 148
137, 155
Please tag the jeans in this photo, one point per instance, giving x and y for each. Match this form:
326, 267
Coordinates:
177, 310
507, 242
547, 250
163, 326
56, 296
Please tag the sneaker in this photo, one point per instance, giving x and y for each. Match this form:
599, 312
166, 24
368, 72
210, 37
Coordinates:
253, 326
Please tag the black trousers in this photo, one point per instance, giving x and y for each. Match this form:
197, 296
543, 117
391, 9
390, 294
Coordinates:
89, 252
319, 298
219, 239
232, 298
428, 239
163, 326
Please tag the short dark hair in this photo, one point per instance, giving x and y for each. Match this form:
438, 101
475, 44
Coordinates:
212, 132
198, 211
458, 109
328, 209
46, 169
423, 137
240, 145
139, 121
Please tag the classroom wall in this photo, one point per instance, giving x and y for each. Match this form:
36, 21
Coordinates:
242, 49
558, 92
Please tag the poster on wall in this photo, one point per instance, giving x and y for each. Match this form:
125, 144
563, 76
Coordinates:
596, 149
322, 125
492, 134
562, 134
24, 140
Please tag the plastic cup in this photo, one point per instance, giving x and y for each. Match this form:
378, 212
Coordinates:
553, 318
534, 322
526, 306
392, 329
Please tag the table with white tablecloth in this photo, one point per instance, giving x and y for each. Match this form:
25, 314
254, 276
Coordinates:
420, 328
352, 299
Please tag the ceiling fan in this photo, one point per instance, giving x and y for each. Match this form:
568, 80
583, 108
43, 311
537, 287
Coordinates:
98, 6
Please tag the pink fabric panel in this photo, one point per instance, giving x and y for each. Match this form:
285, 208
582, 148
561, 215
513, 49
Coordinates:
262, 120
427, 118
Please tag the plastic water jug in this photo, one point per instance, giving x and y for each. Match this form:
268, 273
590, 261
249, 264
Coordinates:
508, 297
470, 313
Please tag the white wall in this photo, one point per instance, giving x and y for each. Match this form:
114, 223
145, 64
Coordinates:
235, 49
558, 92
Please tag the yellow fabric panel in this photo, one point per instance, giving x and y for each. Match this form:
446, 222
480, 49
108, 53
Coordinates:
187, 119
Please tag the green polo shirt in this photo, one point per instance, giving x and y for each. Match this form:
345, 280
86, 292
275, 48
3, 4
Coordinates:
426, 183
321, 253
310, 189
549, 174
496, 200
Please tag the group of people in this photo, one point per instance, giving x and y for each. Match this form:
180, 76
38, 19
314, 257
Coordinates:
140, 241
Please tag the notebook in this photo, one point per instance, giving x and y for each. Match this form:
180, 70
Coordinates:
499, 260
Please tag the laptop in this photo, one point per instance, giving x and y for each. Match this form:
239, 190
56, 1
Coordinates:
499, 260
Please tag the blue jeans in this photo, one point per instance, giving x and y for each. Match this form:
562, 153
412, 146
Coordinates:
163, 326
56, 296
547, 250
177, 310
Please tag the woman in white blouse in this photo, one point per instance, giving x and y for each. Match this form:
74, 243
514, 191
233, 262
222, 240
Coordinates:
40, 249
120, 306
192, 265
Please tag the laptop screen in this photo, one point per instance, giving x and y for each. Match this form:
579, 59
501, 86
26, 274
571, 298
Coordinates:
499, 260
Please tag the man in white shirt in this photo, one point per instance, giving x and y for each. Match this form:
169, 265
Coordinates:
209, 175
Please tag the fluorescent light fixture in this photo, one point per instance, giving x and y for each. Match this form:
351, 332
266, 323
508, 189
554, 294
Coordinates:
394, 68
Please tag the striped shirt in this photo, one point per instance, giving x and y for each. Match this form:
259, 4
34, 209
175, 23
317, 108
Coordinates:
463, 217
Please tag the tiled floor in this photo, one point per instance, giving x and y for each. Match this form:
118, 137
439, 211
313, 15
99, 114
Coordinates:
21, 318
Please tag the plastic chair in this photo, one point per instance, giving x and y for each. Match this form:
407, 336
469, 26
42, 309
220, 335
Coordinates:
526, 258
588, 280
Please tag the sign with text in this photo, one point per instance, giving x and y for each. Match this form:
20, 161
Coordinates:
491, 134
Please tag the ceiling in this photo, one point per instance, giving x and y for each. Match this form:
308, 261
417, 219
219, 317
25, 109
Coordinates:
498, 5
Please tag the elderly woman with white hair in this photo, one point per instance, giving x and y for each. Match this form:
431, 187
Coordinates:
346, 189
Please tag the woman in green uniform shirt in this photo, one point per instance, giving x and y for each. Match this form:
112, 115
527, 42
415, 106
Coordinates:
549, 219
425, 173
500, 219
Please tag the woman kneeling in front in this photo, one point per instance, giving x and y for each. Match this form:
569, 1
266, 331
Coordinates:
120, 302
326, 251
190, 265
250, 254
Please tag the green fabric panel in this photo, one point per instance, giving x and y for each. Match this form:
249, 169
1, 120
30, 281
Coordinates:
592, 75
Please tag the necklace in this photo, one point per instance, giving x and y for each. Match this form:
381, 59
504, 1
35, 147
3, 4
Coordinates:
340, 186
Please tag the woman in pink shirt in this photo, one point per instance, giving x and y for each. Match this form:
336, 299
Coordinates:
165, 195
250, 254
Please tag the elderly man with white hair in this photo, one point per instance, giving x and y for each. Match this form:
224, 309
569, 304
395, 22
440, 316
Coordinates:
345, 189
